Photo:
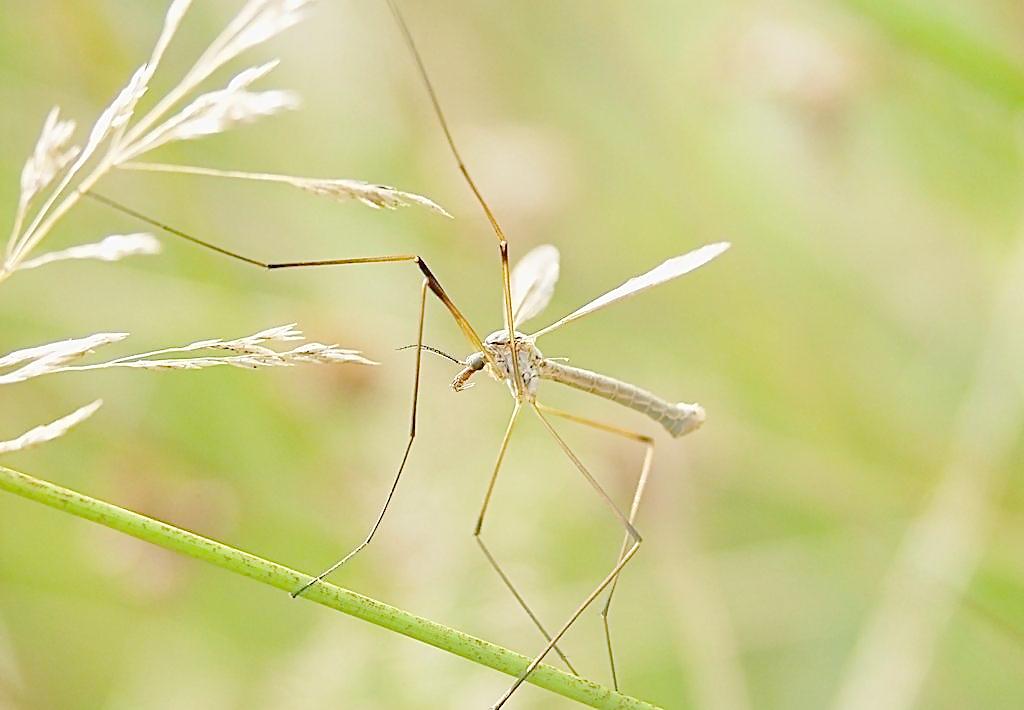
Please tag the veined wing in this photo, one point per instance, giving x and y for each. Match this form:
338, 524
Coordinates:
533, 282
674, 267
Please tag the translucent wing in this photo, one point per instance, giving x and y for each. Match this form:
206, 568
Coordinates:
533, 282
676, 266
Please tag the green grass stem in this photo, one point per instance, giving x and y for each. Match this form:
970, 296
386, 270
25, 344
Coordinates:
329, 595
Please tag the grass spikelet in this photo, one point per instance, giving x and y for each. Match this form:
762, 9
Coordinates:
217, 111
251, 352
49, 358
51, 156
51, 431
112, 248
369, 194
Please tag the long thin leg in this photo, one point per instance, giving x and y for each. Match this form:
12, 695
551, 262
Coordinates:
429, 281
638, 493
634, 545
439, 112
405, 454
434, 284
487, 553
498, 232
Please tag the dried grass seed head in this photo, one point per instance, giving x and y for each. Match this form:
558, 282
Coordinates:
51, 431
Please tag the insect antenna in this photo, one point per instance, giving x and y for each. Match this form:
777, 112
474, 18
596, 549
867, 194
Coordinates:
434, 350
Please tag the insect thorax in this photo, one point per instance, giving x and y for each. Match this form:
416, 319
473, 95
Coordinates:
530, 359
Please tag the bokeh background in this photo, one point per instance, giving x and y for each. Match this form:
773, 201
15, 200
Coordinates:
845, 532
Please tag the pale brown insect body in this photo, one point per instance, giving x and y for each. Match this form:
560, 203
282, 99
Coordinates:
678, 418
531, 361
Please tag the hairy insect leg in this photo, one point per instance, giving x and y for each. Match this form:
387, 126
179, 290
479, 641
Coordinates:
641, 485
478, 536
634, 545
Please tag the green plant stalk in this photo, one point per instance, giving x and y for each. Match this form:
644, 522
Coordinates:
329, 595
924, 29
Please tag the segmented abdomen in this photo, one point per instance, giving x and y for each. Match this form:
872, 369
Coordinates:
679, 418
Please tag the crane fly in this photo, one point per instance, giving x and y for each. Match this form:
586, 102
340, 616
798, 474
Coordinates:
512, 357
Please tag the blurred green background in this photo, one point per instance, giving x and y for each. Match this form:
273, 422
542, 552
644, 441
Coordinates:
844, 532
